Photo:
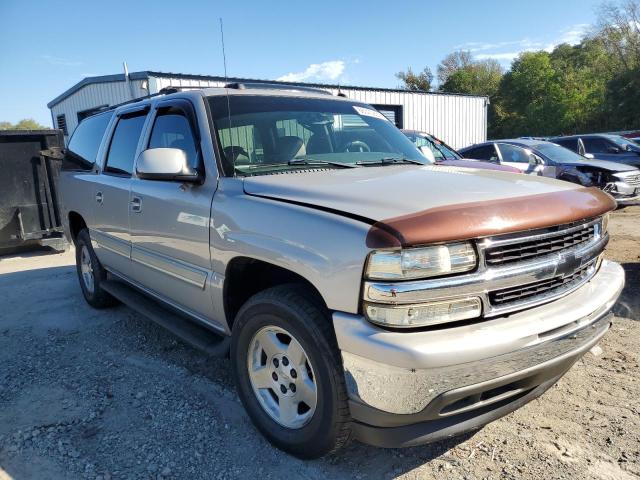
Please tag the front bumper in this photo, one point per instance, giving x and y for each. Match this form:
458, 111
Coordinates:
407, 388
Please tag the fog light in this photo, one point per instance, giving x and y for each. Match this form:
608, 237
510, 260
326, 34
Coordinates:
424, 314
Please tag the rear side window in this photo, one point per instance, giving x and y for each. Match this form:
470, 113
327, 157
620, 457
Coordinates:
124, 143
486, 152
171, 129
570, 143
84, 144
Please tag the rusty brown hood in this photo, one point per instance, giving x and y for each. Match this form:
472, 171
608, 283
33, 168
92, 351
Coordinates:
412, 205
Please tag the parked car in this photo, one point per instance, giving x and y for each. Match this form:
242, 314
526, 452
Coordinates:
547, 159
602, 146
292, 231
442, 154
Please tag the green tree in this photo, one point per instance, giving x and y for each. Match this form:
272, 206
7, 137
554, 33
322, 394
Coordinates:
416, 81
24, 124
474, 78
453, 62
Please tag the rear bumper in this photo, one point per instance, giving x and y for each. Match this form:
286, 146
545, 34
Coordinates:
408, 388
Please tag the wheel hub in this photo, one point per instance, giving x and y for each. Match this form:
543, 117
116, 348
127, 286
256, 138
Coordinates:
282, 377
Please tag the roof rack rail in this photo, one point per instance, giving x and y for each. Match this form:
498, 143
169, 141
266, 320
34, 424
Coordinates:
163, 91
177, 88
275, 86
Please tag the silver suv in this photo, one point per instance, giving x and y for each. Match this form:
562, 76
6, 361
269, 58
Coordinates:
359, 291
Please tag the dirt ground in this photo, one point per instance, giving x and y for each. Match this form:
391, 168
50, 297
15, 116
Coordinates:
107, 394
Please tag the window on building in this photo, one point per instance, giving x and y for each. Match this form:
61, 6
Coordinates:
124, 144
61, 123
393, 113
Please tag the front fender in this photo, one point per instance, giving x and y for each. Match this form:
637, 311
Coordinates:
327, 249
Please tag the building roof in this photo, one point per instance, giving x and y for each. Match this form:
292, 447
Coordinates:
146, 74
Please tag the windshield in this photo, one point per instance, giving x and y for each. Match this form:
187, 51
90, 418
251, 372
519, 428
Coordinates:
557, 153
441, 151
266, 134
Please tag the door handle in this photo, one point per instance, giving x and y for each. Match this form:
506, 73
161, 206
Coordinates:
136, 204
99, 197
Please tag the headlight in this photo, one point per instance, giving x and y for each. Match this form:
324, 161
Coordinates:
424, 314
421, 262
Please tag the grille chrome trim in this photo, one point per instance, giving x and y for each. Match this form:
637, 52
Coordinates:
487, 278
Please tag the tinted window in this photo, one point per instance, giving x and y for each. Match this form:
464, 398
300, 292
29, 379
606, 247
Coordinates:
124, 143
83, 147
570, 143
513, 154
486, 152
171, 129
595, 145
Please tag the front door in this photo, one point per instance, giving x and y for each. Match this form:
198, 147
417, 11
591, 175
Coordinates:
110, 232
170, 219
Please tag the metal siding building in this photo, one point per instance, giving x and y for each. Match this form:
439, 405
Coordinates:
458, 120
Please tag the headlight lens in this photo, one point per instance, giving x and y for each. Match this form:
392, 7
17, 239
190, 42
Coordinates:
424, 314
421, 262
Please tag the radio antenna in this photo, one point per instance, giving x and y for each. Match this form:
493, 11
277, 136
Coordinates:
224, 55
226, 86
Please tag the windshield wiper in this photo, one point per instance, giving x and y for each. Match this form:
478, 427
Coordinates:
390, 161
313, 161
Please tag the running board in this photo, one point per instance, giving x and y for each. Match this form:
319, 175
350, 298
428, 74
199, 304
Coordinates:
188, 330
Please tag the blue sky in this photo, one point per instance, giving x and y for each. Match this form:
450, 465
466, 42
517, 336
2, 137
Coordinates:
49, 46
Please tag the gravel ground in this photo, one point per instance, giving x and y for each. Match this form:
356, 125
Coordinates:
108, 395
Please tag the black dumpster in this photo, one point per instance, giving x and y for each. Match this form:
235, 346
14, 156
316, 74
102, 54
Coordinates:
30, 162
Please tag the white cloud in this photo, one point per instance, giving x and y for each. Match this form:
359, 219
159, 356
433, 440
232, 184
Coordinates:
65, 62
317, 71
572, 35
506, 56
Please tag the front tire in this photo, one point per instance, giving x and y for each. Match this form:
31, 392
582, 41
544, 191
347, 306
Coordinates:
288, 372
91, 274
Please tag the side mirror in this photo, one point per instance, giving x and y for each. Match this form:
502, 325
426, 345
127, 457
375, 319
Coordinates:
427, 153
166, 164
590, 156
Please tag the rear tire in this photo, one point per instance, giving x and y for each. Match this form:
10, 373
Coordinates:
91, 274
285, 324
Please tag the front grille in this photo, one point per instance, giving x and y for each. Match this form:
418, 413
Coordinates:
529, 249
545, 287
633, 180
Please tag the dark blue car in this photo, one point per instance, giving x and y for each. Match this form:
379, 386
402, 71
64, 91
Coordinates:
602, 146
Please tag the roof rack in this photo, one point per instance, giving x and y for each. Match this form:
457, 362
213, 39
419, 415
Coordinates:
275, 86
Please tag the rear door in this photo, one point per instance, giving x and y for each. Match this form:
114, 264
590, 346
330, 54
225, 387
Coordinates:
110, 231
170, 219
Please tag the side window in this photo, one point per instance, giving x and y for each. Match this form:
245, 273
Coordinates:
513, 154
486, 152
124, 142
85, 142
171, 129
570, 143
423, 142
595, 145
